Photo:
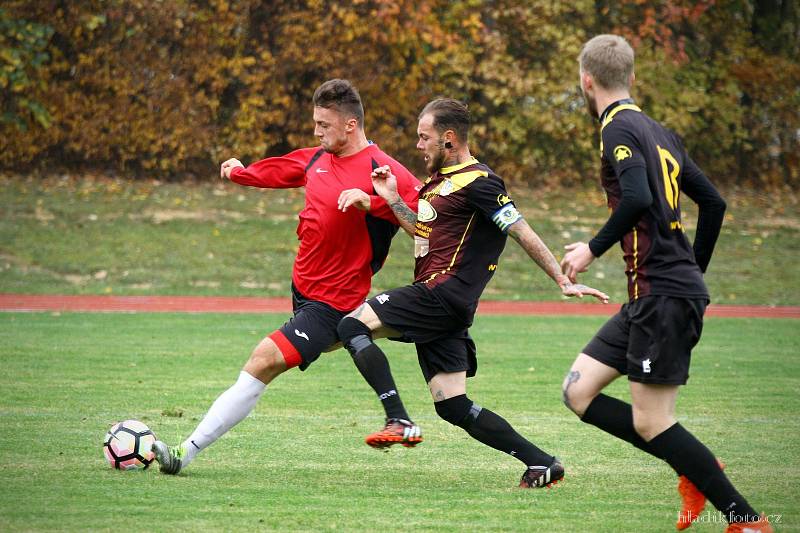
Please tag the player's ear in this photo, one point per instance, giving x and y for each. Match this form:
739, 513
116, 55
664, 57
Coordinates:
632, 80
351, 125
587, 83
449, 138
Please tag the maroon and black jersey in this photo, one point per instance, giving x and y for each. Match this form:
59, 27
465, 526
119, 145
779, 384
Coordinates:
658, 257
463, 215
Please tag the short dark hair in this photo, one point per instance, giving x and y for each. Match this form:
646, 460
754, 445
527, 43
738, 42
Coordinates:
449, 114
342, 96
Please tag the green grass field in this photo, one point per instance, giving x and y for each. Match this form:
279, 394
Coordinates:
299, 462
103, 236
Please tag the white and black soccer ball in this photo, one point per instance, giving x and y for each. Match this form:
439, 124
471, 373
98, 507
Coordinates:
128, 444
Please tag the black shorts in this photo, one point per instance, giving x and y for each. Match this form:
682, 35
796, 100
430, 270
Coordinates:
312, 329
442, 339
651, 339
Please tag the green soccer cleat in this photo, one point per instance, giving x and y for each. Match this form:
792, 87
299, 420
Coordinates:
170, 460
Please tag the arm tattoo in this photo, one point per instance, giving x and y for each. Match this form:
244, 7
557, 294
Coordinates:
405, 216
439, 396
402, 211
572, 377
535, 248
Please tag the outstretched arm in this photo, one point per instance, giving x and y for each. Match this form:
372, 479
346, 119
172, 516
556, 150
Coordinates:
521, 232
284, 172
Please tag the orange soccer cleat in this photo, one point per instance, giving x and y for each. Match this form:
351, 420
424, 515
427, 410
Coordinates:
693, 502
396, 431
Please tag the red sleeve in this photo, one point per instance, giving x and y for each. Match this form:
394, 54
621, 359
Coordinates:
409, 189
284, 172
407, 186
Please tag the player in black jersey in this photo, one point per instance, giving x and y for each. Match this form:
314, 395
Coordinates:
464, 216
645, 168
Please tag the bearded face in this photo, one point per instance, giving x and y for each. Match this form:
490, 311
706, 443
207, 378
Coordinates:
587, 89
431, 144
591, 103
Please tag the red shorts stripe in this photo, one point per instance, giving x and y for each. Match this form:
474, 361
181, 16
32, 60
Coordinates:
288, 351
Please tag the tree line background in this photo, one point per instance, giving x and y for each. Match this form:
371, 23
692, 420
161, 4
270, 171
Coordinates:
169, 88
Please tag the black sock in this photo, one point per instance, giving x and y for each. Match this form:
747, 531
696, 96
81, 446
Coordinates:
373, 365
615, 417
690, 457
493, 430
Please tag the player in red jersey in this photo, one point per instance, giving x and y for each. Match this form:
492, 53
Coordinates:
460, 230
644, 170
345, 231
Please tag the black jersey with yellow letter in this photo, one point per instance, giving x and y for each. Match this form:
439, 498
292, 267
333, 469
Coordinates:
463, 216
658, 257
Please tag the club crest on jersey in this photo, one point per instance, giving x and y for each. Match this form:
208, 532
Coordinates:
622, 152
425, 211
447, 188
505, 216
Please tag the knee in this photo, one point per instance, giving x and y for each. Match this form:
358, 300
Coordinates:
643, 427
355, 335
574, 397
650, 425
266, 361
458, 410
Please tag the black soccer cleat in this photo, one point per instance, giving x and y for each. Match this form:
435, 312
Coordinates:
542, 476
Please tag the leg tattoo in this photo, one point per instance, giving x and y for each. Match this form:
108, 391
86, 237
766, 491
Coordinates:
572, 377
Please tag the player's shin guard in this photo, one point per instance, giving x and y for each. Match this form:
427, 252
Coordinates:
372, 364
491, 429
690, 457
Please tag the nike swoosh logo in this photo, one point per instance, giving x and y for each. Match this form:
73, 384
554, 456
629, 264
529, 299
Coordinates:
320, 170
301, 334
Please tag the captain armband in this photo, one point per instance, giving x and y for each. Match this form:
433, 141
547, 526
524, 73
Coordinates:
505, 216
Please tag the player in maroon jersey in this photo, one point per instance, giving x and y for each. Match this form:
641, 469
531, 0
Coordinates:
645, 167
464, 216
345, 230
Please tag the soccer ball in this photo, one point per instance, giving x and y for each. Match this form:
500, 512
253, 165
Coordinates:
127, 445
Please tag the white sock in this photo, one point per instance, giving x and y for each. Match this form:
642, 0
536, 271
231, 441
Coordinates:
229, 409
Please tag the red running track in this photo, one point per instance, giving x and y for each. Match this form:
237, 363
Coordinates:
229, 304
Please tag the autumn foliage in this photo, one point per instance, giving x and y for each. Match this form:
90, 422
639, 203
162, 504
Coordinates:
170, 88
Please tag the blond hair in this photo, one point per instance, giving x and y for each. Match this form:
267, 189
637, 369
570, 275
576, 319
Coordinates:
609, 60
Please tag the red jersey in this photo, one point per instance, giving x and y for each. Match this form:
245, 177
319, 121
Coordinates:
339, 252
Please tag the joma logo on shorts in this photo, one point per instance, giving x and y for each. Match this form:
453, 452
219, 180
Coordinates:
646, 366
